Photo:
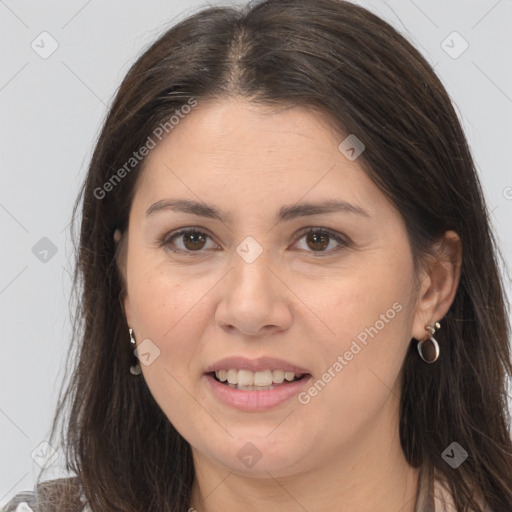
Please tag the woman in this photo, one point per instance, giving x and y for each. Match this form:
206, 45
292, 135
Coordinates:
290, 297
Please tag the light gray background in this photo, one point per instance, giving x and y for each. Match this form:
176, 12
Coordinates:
51, 110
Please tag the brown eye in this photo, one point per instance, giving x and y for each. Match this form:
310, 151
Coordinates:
194, 240
318, 240
186, 241
189, 241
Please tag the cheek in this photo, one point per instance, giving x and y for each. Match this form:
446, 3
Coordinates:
369, 295
368, 312
169, 311
155, 302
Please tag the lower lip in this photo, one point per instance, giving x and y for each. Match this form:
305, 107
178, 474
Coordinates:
255, 401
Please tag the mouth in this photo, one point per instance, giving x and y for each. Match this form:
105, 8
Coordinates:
259, 389
263, 380
255, 385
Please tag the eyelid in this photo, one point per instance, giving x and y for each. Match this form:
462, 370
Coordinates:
342, 240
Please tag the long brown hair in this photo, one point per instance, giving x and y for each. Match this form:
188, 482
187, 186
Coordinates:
361, 74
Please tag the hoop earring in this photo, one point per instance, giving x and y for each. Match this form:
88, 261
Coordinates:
135, 369
429, 354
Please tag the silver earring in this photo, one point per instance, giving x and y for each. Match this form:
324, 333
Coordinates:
430, 353
135, 369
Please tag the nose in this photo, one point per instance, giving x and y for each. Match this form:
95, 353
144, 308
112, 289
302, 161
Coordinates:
255, 300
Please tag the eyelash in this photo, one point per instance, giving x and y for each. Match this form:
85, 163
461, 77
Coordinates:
166, 241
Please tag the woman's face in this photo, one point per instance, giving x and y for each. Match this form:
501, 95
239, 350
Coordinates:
337, 305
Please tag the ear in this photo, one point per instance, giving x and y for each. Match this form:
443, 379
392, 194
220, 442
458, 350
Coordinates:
439, 284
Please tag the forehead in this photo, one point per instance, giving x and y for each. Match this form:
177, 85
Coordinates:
234, 128
232, 151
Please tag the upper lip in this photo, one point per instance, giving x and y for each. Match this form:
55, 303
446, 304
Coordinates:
255, 365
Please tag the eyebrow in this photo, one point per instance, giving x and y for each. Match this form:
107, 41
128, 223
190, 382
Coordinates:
285, 213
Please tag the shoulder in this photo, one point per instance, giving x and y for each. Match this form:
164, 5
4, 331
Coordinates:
50, 496
22, 502
443, 498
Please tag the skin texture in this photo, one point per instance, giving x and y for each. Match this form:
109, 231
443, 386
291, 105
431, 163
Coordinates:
341, 451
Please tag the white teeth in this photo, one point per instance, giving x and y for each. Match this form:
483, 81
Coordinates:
278, 376
233, 376
222, 375
261, 379
245, 378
